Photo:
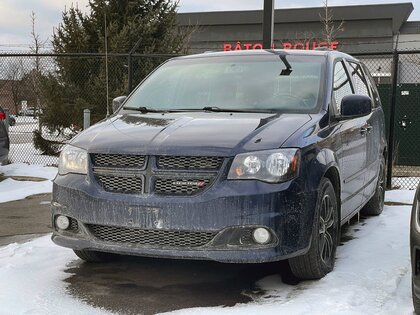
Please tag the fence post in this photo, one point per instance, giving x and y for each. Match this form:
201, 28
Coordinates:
6, 111
86, 119
130, 73
391, 141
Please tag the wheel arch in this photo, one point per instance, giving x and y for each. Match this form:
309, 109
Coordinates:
333, 174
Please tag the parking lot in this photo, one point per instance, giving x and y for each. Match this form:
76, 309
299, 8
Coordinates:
367, 278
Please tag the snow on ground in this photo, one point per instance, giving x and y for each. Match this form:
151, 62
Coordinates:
371, 276
11, 189
402, 196
31, 280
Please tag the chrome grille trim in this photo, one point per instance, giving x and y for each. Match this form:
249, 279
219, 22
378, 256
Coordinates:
153, 238
119, 160
190, 162
180, 186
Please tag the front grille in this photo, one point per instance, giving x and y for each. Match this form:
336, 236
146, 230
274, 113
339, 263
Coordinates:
122, 184
180, 186
156, 238
137, 174
118, 160
190, 162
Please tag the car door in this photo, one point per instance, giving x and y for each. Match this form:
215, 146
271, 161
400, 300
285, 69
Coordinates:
352, 158
372, 130
375, 136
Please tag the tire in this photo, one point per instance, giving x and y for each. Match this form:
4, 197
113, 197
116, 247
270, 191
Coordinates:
320, 258
94, 256
416, 300
375, 205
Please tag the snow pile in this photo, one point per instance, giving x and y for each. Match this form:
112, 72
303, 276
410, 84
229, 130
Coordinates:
11, 189
31, 280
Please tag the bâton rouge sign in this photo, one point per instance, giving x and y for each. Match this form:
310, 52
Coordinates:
308, 45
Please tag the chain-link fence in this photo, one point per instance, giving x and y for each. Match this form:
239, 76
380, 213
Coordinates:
400, 96
46, 95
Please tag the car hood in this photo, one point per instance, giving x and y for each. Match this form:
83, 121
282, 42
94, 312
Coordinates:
222, 134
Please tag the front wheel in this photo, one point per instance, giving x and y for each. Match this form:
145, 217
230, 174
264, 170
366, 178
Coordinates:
320, 258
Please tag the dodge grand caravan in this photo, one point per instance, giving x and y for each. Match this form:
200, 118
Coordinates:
238, 157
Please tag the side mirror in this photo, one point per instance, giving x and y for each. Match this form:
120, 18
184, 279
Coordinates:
117, 102
353, 106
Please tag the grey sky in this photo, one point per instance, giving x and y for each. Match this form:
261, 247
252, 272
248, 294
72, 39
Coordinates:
15, 24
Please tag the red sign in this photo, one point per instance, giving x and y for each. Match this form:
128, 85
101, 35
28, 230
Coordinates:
309, 45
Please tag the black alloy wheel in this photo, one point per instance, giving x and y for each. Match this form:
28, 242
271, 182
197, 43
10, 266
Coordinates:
320, 258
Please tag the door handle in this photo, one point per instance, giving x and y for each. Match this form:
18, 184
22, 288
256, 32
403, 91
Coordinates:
366, 129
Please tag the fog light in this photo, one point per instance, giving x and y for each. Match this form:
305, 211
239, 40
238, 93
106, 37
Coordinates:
62, 222
261, 236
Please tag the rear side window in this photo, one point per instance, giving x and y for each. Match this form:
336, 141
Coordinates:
359, 80
373, 89
342, 86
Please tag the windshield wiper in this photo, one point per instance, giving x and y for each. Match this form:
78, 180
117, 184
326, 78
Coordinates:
282, 55
234, 110
144, 109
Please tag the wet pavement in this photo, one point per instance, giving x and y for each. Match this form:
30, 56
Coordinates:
28, 216
133, 285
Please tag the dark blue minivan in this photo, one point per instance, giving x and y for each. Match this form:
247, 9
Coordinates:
238, 157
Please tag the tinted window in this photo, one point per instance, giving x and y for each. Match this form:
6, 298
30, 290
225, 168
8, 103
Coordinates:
359, 80
342, 85
235, 82
374, 90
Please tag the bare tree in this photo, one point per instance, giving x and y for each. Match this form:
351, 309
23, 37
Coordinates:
35, 47
35, 75
14, 77
329, 28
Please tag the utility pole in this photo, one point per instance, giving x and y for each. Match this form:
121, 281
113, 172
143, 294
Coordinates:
268, 24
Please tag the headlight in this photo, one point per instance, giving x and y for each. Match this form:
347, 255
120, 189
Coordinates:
271, 166
72, 160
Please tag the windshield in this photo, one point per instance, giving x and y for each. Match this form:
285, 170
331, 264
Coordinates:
264, 83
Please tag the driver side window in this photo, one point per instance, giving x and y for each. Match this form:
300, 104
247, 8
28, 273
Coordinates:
341, 85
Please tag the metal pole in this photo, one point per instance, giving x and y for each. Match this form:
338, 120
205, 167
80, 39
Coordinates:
391, 140
268, 24
106, 68
86, 119
130, 65
130, 73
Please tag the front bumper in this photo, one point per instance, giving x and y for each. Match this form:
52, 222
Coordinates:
286, 209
